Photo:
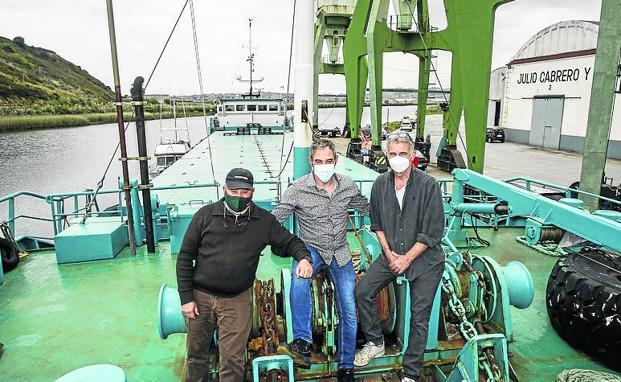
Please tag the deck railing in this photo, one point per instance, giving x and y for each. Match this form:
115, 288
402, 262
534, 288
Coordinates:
528, 184
80, 201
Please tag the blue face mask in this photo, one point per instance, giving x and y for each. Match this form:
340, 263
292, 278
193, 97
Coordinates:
324, 172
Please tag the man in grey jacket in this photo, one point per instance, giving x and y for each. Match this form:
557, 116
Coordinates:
408, 218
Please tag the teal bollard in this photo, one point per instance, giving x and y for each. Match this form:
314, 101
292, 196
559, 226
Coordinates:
520, 284
170, 320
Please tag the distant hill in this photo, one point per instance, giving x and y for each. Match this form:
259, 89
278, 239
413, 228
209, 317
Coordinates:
35, 80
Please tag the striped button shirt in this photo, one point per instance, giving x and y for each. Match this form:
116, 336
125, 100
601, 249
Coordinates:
322, 217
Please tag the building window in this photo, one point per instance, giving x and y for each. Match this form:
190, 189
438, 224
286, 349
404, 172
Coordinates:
273, 107
240, 107
262, 107
229, 108
252, 107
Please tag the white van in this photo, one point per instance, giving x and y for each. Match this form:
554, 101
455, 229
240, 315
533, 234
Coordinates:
406, 124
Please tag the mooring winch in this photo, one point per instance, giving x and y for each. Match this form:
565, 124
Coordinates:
469, 328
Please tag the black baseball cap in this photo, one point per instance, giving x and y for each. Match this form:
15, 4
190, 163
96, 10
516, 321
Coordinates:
239, 178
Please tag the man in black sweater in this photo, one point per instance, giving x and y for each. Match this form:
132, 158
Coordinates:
216, 269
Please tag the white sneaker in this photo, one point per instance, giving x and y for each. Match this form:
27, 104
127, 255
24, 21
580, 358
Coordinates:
407, 379
367, 353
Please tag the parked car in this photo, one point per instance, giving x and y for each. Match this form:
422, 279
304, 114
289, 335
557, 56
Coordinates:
406, 125
334, 132
495, 134
420, 161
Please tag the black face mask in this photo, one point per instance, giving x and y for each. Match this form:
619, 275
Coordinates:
236, 203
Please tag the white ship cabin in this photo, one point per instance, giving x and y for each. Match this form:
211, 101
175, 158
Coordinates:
168, 153
240, 112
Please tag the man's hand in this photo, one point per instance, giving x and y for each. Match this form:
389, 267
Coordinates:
304, 269
391, 256
400, 264
190, 310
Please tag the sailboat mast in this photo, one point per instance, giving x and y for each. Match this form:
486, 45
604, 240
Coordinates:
250, 55
174, 105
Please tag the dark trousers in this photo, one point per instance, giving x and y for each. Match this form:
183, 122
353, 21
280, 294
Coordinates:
232, 316
422, 292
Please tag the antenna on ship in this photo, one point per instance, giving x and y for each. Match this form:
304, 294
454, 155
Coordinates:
250, 61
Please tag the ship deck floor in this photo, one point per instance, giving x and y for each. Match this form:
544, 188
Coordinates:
56, 318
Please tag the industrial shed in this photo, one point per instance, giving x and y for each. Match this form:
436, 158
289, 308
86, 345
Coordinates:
542, 96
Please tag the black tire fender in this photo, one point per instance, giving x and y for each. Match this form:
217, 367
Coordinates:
10, 255
583, 299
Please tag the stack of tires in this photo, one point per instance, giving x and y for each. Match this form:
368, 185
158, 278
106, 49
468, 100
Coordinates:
584, 303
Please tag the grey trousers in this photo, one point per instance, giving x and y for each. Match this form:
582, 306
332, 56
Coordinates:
422, 292
232, 316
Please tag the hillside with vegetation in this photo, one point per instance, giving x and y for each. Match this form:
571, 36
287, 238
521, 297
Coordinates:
36, 81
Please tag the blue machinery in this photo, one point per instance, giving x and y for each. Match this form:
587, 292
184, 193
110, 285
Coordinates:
470, 326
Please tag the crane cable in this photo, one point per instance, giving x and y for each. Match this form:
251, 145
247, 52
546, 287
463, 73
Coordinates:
435, 72
200, 84
282, 147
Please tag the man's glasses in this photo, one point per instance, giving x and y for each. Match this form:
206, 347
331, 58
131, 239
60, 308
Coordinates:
398, 135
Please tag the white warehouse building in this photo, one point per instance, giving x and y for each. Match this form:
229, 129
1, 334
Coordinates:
542, 96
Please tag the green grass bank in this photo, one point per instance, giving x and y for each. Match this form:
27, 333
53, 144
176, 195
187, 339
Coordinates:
31, 122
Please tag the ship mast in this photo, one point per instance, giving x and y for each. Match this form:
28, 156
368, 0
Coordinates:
251, 80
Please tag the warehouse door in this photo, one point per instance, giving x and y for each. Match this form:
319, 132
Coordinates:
545, 130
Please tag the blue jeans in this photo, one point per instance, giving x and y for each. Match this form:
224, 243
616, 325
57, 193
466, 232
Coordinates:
344, 279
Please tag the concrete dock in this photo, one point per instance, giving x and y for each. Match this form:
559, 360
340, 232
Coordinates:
506, 160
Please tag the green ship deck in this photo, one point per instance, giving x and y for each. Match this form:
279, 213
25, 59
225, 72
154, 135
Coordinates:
56, 318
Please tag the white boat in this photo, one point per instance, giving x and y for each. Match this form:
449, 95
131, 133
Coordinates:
250, 110
174, 141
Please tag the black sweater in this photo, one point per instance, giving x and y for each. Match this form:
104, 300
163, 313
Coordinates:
220, 257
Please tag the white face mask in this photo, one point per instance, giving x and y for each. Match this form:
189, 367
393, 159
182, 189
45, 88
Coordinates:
399, 164
323, 171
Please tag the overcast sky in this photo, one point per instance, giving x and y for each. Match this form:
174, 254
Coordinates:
77, 30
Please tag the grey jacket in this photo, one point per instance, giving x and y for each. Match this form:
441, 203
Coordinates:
421, 220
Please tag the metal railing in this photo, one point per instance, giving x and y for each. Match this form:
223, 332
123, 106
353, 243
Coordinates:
569, 192
80, 201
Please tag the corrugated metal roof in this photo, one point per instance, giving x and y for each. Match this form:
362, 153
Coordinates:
562, 37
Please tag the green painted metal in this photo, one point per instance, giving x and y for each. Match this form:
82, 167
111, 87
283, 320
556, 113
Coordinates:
102, 238
540, 210
331, 26
11, 216
520, 284
137, 212
301, 164
468, 360
286, 290
67, 291
356, 67
469, 37
607, 59
424, 62
170, 320
276, 362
